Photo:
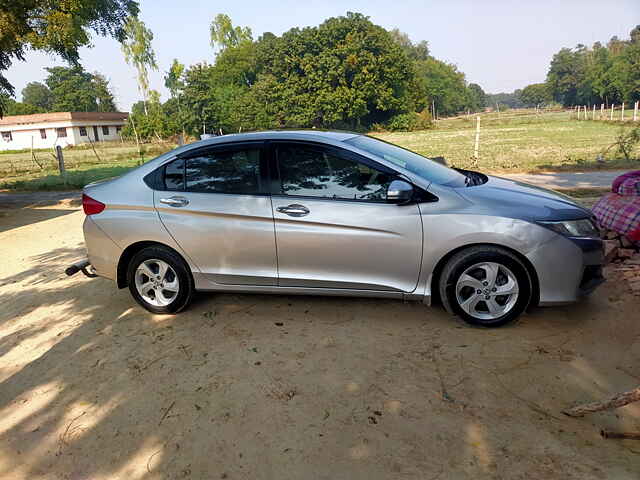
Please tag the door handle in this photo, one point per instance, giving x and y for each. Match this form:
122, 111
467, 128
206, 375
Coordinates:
294, 210
175, 201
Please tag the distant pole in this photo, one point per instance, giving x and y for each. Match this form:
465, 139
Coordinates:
612, 105
594, 112
60, 158
635, 111
601, 111
622, 113
475, 148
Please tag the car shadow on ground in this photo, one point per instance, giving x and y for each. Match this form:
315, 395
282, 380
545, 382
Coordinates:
267, 386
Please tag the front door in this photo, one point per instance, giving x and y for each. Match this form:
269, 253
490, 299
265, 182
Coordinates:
334, 228
216, 206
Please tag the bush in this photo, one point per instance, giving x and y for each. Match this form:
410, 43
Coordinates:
409, 122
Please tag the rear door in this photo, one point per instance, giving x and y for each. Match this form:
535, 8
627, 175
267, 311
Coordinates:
215, 204
334, 227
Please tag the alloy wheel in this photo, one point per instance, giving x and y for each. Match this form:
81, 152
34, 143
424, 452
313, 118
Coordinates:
487, 290
157, 282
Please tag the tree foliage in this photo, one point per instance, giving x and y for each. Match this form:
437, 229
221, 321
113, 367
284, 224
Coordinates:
56, 27
68, 89
139, 53
536, 94
224, 35
75, 90
38, 95
600, 74
344, 73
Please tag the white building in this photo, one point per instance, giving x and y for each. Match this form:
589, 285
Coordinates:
47, 130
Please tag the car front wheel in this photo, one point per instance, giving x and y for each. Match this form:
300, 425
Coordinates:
486, 286
160, 280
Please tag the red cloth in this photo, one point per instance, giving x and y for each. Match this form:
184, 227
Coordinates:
620, 210
617, 183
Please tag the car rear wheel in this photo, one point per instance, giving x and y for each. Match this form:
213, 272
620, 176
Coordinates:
486, 286
160, 280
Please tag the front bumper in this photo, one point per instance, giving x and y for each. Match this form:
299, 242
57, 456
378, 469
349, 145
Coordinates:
568, 268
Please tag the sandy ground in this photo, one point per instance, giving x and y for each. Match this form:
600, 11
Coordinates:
278, 387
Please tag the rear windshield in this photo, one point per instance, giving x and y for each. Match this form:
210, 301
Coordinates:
421, 166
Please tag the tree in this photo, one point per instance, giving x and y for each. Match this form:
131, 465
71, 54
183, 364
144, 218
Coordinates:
173, 81
38, 95
535, 94
608, 74
138, 52
444, 85
19, 108
224, 35
56, 27
419, 51
477, 98
173, 78
104, 97
75, 90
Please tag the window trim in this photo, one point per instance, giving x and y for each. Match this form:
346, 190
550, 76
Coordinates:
105, 130
8, 134
58, 132
85, 134
276, 180
43, 133
155, 179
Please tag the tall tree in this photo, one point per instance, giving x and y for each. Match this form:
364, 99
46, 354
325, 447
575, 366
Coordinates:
138, 52
477, 97
535, 94
56, 27
73, 89
38, 95
173, 81
224, 35
173, 78
104, 97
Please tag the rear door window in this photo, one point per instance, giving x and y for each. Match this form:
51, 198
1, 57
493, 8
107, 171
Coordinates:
235, 170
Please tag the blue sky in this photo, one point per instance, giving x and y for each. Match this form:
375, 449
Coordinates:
501, 45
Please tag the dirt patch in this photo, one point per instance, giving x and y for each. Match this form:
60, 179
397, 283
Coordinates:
248, 386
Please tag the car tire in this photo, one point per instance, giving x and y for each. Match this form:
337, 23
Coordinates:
486, 286
160, 280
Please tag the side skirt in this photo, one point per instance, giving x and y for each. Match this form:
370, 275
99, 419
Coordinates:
204, 285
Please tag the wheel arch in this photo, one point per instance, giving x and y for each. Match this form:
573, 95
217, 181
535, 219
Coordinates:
128, 253
437, 271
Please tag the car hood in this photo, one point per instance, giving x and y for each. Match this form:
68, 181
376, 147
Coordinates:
521, 200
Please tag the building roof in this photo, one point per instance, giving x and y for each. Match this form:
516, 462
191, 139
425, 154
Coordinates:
61, 117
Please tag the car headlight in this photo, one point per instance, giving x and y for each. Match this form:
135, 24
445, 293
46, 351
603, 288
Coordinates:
574, 228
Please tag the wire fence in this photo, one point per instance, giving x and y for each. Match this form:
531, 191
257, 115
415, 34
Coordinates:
41, 161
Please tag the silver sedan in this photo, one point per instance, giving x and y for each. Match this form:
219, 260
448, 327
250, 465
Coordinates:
335, 213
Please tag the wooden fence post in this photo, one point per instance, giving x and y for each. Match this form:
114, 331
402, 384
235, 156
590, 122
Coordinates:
60, 158
635, 111
612, 105
594, 112
477, 144
622, 113
601, 111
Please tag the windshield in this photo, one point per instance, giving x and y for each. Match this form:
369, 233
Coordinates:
425, 168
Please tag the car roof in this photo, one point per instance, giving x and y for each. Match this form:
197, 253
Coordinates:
311, 134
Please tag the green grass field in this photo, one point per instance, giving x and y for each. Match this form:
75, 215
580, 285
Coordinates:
518, 142
514, 141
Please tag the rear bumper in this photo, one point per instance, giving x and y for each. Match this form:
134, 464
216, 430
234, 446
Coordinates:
103, 252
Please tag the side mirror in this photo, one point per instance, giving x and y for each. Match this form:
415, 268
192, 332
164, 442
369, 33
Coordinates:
399, 192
